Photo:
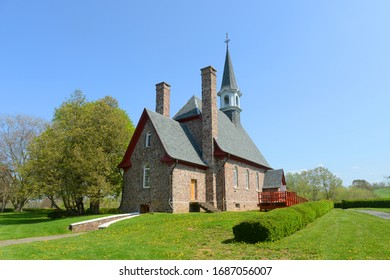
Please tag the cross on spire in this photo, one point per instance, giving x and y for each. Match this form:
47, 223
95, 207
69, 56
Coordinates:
227, 40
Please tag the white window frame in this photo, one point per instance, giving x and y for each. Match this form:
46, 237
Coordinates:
235, 177
247, 181
257, 181
146, 176
148, 139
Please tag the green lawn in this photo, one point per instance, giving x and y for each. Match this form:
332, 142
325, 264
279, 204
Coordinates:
383, 193
340, 234
33, 224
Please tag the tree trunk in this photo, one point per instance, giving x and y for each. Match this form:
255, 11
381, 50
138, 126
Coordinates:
3, 204
19, 204
80, 206
53, 203
18, 208
94, 205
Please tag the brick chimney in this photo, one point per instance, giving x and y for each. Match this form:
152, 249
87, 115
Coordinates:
163, 92
210, 129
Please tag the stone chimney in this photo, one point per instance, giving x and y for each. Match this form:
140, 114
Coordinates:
210, 129
209, 112
163, 92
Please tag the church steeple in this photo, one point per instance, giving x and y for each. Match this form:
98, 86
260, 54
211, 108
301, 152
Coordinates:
230, 93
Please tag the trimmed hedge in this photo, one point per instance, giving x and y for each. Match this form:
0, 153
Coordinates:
366, 203
281, 222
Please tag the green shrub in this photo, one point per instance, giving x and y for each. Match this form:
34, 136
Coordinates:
8, 210
281, 222
57, 214
321, 207
365, 203
109, 211
250, 231
308, 213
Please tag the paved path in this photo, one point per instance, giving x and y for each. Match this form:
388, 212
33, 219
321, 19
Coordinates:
384, 215
32, 239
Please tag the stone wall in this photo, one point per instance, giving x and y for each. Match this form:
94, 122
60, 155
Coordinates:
158, 194
242, 198
94, 223
196, 129
182, 176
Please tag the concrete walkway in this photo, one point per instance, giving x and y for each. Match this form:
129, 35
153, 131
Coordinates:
384, 215
33, 239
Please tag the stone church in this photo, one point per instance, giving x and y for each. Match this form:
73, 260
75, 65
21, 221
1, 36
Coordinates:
201, 158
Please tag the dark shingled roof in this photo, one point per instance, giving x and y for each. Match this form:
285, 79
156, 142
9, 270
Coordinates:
236, 141
273, 179
176, 139
192, 108
231, 139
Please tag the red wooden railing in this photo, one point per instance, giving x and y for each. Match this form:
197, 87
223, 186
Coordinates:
272, 200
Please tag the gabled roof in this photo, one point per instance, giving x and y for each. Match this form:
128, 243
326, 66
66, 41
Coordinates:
180, 144
274, 179
192, 108
176, 139
234, 140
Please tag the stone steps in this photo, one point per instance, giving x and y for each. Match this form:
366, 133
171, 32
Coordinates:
208, 207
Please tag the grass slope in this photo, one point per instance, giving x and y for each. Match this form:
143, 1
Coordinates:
32, 224
383, 193
340, 234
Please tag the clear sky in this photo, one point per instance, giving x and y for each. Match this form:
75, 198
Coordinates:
315, 75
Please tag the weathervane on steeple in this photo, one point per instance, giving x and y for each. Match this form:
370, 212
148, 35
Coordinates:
227, 40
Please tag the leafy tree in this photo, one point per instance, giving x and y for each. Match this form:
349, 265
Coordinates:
362, 184
76, 156
16, 133
353, 193
380, 185
314, 184
5, 186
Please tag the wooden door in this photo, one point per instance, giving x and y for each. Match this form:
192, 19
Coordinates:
194, 190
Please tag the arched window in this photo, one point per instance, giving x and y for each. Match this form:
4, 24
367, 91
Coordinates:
146, 177
257, 182
226, 100
237, 101
247, 180
235, 177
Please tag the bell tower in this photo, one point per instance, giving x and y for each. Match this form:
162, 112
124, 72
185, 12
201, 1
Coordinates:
229, 93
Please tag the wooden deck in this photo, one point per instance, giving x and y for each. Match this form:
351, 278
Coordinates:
272, 200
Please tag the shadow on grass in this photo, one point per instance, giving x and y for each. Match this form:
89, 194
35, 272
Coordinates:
229, 241
15, 218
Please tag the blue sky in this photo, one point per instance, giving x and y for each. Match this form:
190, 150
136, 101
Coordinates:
315, 75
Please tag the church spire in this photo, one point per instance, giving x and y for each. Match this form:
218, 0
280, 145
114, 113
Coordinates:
229, 93
228, 78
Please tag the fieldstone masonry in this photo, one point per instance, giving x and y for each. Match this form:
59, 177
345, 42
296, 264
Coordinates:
163, 92
210, 129
210, 173
94, 223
